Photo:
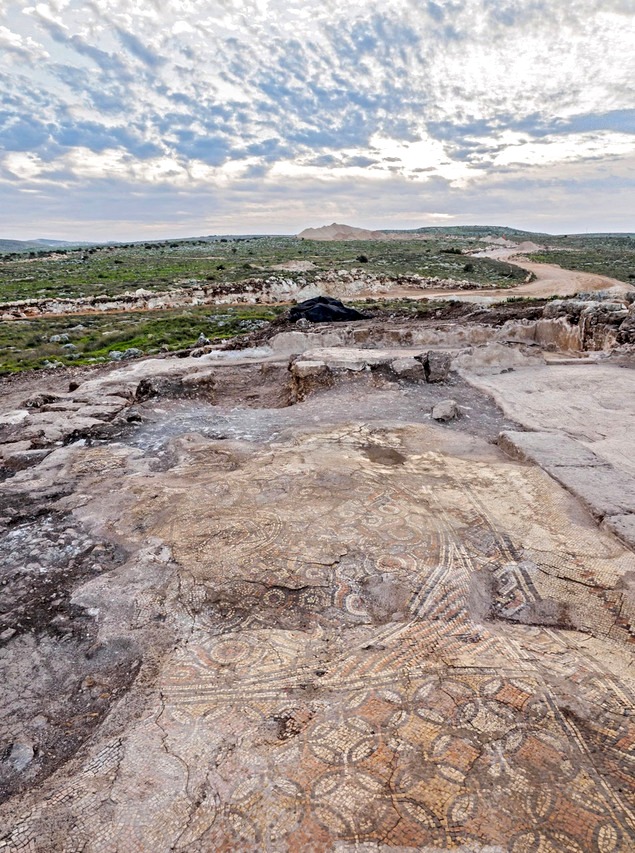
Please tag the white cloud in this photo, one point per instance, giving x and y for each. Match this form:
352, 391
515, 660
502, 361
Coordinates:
22, 46
23, 166
574, 147
266, 96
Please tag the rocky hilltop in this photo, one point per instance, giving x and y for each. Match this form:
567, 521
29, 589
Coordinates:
341, 232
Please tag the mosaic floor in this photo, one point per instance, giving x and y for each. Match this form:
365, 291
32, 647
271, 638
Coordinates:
387, 640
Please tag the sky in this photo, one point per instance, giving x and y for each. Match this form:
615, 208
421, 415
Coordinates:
139, 119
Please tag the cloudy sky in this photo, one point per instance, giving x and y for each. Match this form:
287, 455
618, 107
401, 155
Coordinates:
123, 119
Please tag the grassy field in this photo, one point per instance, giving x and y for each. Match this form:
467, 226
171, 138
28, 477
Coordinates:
163, 266
26, 344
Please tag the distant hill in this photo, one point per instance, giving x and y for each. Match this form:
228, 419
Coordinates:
54, 244
341, 232
39, 244
497, 235
494, 234
18, 245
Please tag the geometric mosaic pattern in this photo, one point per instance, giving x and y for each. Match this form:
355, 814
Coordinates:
381, 656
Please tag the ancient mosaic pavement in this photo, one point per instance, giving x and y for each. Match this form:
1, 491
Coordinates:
386, 643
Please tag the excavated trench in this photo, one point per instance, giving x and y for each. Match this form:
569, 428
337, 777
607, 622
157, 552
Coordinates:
232, 619
155, 422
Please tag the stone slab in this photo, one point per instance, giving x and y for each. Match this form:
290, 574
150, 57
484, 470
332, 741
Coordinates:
593, 403
408, 368
605, 490
549, 449
623, 526
304, 369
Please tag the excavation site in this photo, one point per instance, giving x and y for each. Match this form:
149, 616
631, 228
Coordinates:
355, 580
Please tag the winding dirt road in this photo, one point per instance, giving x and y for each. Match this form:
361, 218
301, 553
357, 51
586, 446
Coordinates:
551, 279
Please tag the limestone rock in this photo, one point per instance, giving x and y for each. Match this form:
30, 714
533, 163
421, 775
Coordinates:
22, 457
612, 313
117, 355
435, 364
21, 755
570, 308
626, 331
306, 369
446, 410
408, 368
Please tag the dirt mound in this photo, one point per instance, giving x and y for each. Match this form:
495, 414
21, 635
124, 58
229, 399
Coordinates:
529, 246
499, 241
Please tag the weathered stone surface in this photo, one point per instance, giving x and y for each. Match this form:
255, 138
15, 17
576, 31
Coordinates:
435, 364
623, 526
408, 368
571, 308
591, 403
626, 331
446, 410
21, 755
306, 369
605, 490
21, 455
549, 449
291, 343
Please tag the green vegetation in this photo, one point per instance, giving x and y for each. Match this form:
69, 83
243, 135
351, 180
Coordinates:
72, 271
603, 254
26, 344
161, 266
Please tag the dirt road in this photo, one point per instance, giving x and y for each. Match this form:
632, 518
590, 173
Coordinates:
551, 279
